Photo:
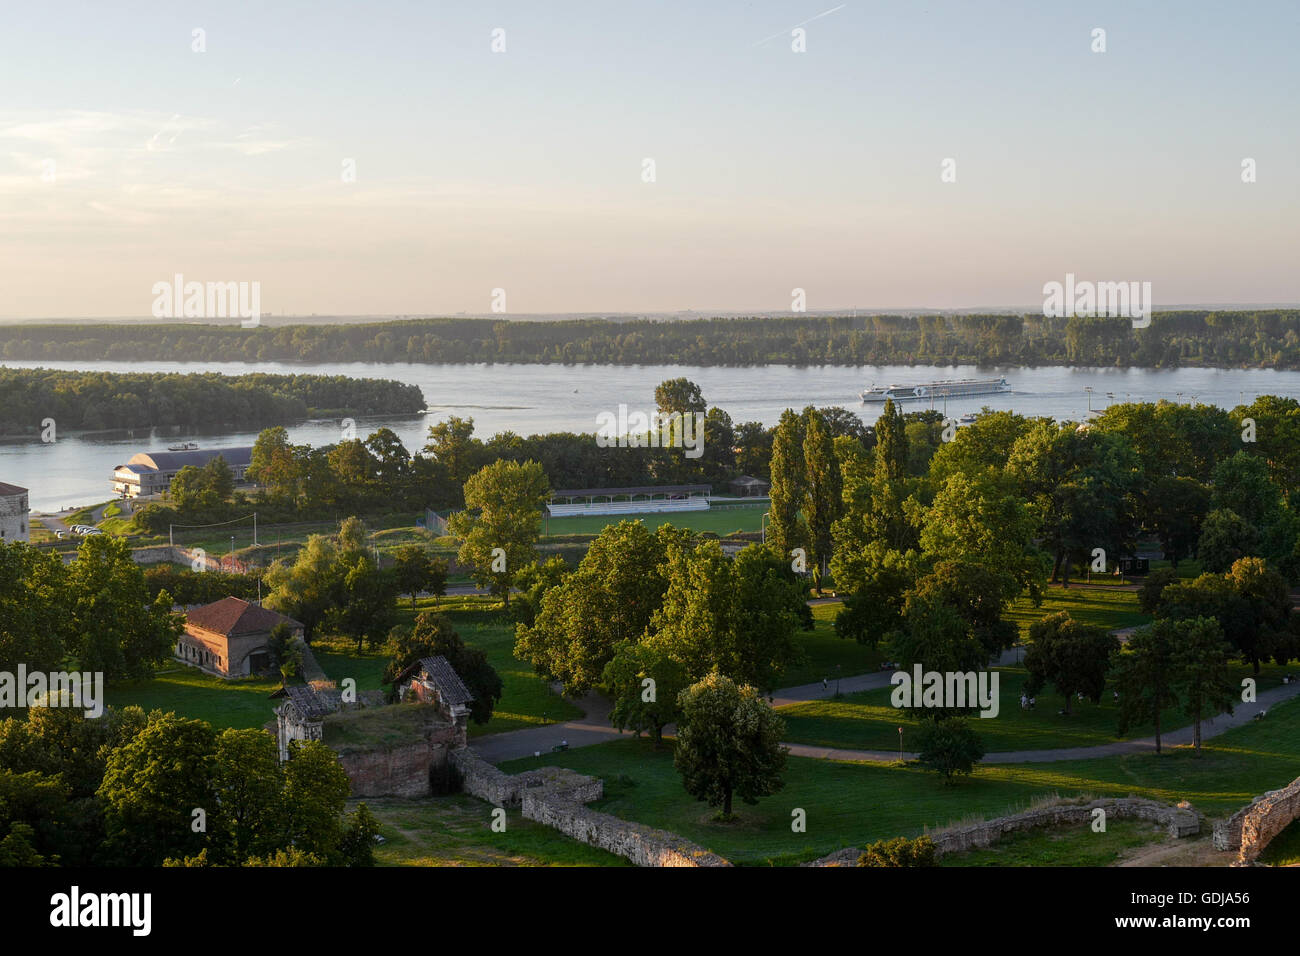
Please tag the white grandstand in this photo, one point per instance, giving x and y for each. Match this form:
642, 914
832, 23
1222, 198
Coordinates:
654, 499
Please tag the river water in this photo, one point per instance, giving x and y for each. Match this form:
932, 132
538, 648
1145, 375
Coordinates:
528, 399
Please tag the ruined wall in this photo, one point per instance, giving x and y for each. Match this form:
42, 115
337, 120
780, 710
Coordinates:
1253, 827
644, 846
554, 796
399, 771
1179, 821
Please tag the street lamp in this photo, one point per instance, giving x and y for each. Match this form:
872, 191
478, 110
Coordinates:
762, 525
900, 744
232, 553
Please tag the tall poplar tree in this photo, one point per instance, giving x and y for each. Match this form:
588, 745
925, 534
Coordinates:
786, 529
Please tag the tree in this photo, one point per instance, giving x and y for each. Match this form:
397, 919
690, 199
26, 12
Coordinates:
950, 746
309, 586
609, 599
115, 628
1200, 660
502, 537
316, 789
248, 783
786, 529
433, 635
824, 486
416, 571
1225, 538
34, 608
1151, 591
1073, 657
728, 743
890, 453
979, 520
276, 464
880, 579
453, 445
358, 843
1178, 507
365, 612
679, 395
1144, 675
638, 705
1082, 485
391, 460
151, 786
284, 650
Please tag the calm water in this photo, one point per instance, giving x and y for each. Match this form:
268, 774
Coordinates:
528, 399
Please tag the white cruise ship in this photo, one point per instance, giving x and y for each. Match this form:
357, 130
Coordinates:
960, 388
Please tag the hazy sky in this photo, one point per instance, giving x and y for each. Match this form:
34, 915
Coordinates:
126, 157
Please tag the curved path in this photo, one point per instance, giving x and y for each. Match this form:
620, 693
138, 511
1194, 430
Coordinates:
594, 728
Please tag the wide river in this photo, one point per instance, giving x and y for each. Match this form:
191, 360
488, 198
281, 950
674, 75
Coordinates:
529, 399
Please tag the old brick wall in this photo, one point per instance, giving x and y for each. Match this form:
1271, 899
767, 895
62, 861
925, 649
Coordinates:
401, 771
1253, 827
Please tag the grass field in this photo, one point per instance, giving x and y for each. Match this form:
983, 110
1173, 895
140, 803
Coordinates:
1285, 848
868, 720
1111, 609
826, 654
528, 700
1072, 846
189, 692
849, 804
456, 831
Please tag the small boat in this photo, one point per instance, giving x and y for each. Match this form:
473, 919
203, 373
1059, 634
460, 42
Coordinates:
968, 419
184, 446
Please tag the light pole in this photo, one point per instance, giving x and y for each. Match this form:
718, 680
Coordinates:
232, 554
762, 525
900, 744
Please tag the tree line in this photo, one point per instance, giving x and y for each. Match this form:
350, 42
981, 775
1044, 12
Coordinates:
1267, 338
99, 400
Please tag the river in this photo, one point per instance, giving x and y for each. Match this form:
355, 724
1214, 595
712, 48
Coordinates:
528, 399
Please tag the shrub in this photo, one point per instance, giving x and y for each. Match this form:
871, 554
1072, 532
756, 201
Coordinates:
899, 851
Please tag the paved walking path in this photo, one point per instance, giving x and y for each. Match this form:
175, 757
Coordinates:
594, 727
1242, 714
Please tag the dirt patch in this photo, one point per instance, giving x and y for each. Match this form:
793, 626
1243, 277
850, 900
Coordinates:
1175, 852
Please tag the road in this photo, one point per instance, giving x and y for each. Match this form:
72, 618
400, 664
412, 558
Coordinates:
594, 727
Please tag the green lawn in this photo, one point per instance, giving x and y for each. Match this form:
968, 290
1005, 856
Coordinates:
456, 831
528, 700
869, 721
1285, 848
825, 651
856, 803
1108, 608
189, 692
1073, 846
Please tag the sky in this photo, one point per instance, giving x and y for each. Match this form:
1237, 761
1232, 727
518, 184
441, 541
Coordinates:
127, 156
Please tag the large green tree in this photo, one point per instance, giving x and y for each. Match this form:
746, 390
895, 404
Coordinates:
499, 535
728, 744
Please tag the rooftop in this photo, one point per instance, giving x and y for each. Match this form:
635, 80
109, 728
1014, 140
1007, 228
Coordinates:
233, 616
8, 489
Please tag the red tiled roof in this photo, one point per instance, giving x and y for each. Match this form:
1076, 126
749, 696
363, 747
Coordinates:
232, 616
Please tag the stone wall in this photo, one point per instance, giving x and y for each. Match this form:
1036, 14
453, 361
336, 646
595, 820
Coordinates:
1253, 827
554, 796
644, 846
1179, 821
